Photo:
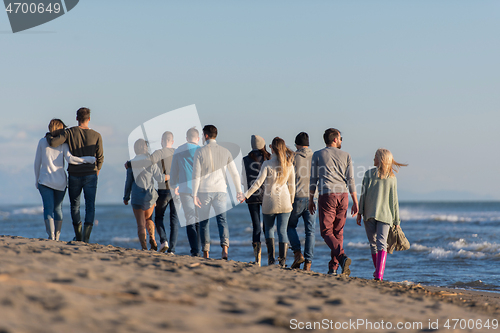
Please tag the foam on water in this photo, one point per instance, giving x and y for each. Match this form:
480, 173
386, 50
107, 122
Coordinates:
359, 245
483, 246
37, 210
124, 239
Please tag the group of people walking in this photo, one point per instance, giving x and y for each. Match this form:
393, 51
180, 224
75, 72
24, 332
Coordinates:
192, 178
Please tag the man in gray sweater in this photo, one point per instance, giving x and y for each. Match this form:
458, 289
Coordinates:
302, 165
333, 174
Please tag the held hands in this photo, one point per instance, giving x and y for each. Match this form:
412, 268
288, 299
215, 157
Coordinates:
240, 197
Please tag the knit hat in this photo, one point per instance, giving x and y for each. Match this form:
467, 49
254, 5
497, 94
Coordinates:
258, 142
302, 139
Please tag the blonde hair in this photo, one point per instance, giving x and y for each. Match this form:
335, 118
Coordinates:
386, 164
55, 125
285, 159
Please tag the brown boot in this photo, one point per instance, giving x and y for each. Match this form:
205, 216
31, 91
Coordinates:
142, 239
257, 253
299, 259
150, 225
307, 265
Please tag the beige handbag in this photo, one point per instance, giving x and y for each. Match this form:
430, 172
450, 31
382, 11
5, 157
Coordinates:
396, 240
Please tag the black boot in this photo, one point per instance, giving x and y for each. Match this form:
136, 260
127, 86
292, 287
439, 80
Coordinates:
87, 229
283, 248
78, 231
270, 251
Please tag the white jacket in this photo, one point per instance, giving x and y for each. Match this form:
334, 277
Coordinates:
277, 198
49, 164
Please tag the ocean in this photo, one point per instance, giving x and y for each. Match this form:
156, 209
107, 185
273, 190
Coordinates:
453, 245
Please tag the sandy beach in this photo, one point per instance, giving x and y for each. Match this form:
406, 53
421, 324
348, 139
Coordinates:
49, 286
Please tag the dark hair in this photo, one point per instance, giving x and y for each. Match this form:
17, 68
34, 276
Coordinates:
265, 154
83, 114
56, 125
192, 133
211, 131
330, 135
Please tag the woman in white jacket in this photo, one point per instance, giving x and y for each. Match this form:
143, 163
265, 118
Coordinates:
51, 179
278, 177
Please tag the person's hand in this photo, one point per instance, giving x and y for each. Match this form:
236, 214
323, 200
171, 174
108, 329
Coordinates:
197, 201
241, 198
98, 172
176, 191
125, 202
312, 206
167, 177
358, 219
126, 165
354, 209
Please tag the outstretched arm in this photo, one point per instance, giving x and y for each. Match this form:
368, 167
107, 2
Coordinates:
256, 184
70, 159
57, 139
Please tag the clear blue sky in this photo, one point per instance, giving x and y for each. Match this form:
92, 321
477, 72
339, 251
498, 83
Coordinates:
420, 78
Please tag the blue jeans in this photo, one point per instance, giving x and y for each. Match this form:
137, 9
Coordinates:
301, 209
192, 227
164, 200
89, 186
282, 222
52, 202
254, 209
217, 200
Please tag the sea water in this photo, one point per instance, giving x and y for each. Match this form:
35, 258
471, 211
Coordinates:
452, 244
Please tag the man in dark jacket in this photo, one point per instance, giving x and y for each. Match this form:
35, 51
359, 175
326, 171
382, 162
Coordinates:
252, 164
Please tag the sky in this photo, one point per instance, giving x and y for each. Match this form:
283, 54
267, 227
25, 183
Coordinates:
419, 78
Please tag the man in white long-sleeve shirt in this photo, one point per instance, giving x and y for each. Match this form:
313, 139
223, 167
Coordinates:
210, 187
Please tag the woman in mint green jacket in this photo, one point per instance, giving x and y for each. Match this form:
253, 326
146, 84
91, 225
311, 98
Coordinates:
379, 206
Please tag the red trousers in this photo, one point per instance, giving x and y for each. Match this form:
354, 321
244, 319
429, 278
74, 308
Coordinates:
332, 210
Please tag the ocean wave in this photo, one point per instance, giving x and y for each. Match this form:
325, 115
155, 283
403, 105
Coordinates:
419, 248
441, 253
359, 245
478, 284
4, 215
28, 211
483, 246
465, 217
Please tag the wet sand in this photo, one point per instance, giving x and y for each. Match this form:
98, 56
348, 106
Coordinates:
49, 286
